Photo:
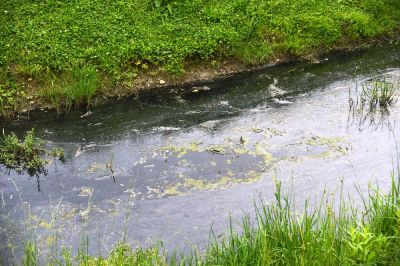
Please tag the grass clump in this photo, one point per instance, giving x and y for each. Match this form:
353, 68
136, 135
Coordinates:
77, 88
82, 87
22, 155
26, 155
372, 103
379, 94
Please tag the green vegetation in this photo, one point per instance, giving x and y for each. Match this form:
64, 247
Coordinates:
120, 255
11, 94
26, 155
64, 53
379, 94
78, 87
319, 236
326, 234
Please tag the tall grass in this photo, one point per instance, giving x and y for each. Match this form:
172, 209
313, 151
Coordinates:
329, 233
76, 88
82, 87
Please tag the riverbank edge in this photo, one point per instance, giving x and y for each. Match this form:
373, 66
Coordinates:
197, 73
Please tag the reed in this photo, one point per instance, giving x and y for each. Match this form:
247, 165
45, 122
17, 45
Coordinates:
379, 94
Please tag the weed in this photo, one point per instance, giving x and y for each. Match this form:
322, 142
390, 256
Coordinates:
27, 155
11, 93
58, 153
75, 88
372, 103
56, 98
22, 156
169, 4
379, 94
318, 236
364, 247
30, 254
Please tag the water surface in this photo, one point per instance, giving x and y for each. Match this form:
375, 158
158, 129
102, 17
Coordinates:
173, 164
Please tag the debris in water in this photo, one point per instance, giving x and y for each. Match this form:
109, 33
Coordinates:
257, 130
85, 192
281, 101
86, 114
216, 149
202, 88
78, 152
274, 90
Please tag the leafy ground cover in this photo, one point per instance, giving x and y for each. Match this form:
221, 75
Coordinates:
47, 45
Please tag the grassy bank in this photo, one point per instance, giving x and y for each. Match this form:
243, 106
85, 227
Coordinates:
326, 234
69, 54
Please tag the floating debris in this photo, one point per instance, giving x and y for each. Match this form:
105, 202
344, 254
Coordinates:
202, 88
283, 102
257, 130
88, 113
275, 91
86, 192
216, 149
94, 167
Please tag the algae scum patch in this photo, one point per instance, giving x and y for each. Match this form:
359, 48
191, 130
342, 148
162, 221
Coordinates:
197, 166
242, 156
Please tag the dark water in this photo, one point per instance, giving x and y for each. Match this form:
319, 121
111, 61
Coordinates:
184, 161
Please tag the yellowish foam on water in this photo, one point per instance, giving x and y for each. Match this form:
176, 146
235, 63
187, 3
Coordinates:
85, 192
335, 145
188, 184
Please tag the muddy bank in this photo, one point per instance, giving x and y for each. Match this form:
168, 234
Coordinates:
197, 78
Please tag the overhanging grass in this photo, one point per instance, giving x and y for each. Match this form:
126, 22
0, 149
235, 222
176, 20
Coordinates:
331, 233
42, 41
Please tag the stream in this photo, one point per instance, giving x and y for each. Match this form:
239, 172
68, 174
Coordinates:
174, 164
